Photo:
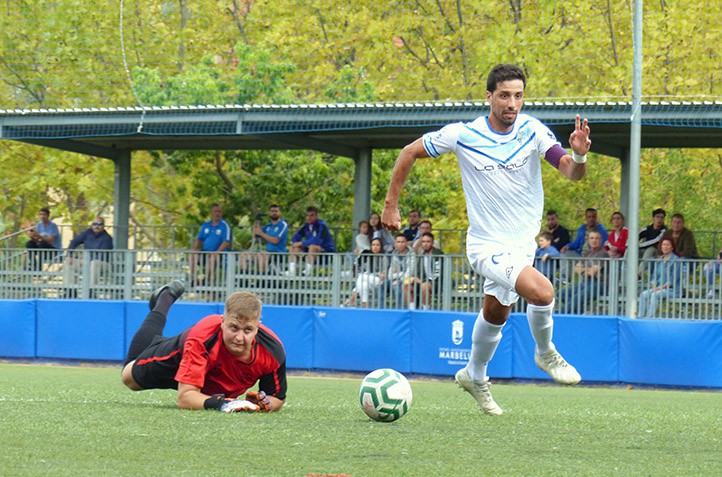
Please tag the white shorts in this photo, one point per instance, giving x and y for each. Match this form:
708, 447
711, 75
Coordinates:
500, 265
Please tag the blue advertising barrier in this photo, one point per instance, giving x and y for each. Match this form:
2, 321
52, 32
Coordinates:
603, 348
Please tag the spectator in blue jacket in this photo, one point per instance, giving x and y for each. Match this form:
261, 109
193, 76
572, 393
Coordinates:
214, 237
580, 245
95, 239
313, 237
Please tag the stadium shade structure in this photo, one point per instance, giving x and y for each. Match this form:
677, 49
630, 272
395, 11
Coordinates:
350, 130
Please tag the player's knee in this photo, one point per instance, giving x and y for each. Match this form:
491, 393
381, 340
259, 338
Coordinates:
541, 294
127, 377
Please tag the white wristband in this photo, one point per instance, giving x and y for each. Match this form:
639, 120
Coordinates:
579, 159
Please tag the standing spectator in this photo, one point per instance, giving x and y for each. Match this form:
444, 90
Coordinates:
313, 237
580, 245
213, 238
424, 228
711, 269
560, 234
372, 267
379, 231
504, 207
591, 277
650, 235
362, 241
44, 240
400, 266
425, 275
683, 238
411, 232
544, 255
616, 244
94, 239
275, 234
666, 280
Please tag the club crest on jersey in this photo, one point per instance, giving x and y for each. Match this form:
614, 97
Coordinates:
508, 271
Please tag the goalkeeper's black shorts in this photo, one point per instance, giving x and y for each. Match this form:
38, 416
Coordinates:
157, 365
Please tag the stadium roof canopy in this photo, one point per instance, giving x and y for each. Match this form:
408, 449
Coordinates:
351, 130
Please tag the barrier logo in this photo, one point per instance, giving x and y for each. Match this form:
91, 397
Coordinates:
457, 332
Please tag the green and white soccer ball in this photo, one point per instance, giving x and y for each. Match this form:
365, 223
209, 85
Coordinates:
385, 395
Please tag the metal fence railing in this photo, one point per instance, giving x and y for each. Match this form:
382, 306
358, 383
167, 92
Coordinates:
334, 281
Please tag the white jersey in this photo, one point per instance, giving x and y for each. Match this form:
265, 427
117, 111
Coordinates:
501, 175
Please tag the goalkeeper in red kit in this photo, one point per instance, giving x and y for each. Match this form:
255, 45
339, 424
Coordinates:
212, 363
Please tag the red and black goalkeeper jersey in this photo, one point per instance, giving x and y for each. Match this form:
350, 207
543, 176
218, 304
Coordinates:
206, 363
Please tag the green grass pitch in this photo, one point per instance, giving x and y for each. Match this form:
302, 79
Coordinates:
58, 420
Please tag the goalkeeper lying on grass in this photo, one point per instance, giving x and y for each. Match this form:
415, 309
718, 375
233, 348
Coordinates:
213, 362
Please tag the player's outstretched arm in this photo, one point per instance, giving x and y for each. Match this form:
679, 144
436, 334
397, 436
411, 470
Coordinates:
574, 167
191, 397
390, 218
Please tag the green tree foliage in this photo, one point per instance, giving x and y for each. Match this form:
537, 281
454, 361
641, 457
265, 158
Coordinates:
74, 53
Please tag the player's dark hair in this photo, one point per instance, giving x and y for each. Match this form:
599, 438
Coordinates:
313, 209
551, 212
659, 211
501, 73
46, 210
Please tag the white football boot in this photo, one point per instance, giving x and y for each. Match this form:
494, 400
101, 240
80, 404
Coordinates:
480, 391
555, 366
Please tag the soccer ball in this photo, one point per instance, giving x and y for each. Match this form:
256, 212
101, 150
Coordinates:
385, 395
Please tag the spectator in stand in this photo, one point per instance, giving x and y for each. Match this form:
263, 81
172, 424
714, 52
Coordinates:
372, 267
412, 231
544, 255
650, 235
424, 228
683, 238
379, 231
711, 269
580, 245
560, 234
313, 237
44, 241
402, 261
94, 239
213, 238
666, 280
362, 241
425, 275
275, 234
591, 277
616, 244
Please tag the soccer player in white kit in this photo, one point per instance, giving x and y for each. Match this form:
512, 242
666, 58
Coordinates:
500, 160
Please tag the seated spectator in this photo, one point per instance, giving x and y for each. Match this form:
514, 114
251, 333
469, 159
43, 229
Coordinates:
666, 280
402, 260
94, 239
411, 232
313, 237
424, 228
372, 267
650, 235
275, 235
591, 274
711, 269
616, 244
379, 231
44, 241
560, 234
683, 238
213, 238
580, 245
544, 253
425, 274
362, 241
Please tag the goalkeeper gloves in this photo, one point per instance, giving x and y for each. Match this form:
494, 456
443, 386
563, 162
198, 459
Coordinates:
261, 400
221, 403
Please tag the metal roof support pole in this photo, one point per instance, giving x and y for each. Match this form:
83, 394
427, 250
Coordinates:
121, 211
632, 255
362, 186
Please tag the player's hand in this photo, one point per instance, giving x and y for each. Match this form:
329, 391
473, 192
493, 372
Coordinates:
239, 405
579, 139
261, 400
391, 218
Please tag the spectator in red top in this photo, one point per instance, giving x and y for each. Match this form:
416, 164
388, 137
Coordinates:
214, 362
616, 244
